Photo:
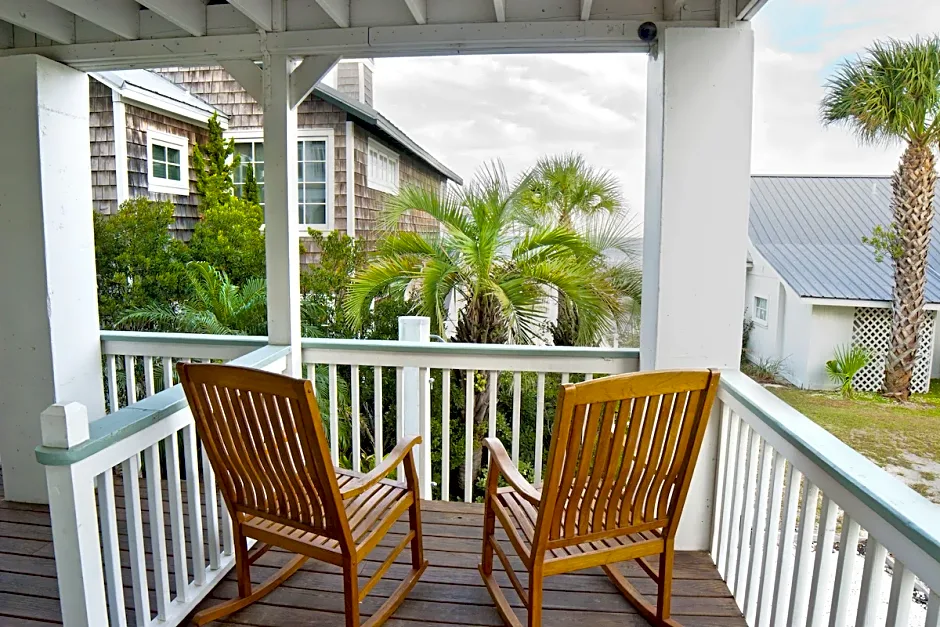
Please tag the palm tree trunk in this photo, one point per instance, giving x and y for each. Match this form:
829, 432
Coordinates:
913, 185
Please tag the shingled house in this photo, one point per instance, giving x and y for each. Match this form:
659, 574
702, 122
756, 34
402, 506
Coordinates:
341, 139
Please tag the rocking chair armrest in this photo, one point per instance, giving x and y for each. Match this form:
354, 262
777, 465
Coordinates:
503, 463
391, 461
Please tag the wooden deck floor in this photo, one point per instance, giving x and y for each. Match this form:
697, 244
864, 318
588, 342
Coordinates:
450, 593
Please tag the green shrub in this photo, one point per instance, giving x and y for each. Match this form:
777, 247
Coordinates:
845, 364
137, 259
230, 238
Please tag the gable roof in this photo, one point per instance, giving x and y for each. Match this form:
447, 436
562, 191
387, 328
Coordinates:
370, 117
810, 229
156, 92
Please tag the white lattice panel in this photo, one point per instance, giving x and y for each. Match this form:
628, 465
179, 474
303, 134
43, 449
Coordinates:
872, 329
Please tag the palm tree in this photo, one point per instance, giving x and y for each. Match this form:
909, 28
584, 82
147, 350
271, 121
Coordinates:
893, 94
217, 306
566, 191
500, 267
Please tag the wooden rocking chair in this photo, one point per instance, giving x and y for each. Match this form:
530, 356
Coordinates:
622, 454
264, 438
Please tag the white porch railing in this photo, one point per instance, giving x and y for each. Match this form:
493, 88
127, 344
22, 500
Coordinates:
773, 541
151, 442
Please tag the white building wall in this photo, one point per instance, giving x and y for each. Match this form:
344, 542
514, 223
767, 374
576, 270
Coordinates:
763, 282
831, 327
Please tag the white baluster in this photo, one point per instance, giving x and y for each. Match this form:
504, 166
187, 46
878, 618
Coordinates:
157, 531
424, 430
228, 537
901, 599
720, 487
727, 486
933, 610
378, 435
565, 377
872, 577
445, 435
737, 505
354, 402
468, 438
782, 589
130, 379
803, 566
334, 415
194, 505
494, 388
539, 424
149, 386
825, 560
516, 410
167, 373
112, 551
114, 402
177, 522
400, 413
747, 518
130, 470
845, 567
212, 512
771, 546
757, 535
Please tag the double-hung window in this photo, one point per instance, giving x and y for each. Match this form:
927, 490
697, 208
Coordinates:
251, 153
168, 163
382, 172
314, 173
760, 310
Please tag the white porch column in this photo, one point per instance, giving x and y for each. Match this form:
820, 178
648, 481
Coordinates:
416, 398
698, 156
280, 201
49, 346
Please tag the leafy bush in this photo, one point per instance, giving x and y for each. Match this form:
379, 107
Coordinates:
137, 259
845, 364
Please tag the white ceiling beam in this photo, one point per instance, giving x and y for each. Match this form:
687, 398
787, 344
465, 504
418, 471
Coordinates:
258, 11
306, 76
747, 9
338, 10
586, 6
380, 41
121, 17
500, 6
41, 18
248, 75
190, 15
419, 9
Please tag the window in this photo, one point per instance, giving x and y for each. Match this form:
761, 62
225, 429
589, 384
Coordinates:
383, 168
168, 156
760, 310
314, 173
252, 154
311, 181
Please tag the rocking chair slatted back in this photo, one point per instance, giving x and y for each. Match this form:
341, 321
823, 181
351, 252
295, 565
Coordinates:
621, 453
264, 438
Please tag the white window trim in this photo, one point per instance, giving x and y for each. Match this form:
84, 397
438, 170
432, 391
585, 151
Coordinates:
758, 321
166, 186
329, 136
371, 181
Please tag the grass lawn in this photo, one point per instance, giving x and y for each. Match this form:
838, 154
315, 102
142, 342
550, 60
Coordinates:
902, 438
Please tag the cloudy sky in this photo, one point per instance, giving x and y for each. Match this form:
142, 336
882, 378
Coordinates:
468, 110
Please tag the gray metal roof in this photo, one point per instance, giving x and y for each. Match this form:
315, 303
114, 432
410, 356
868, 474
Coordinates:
810, 228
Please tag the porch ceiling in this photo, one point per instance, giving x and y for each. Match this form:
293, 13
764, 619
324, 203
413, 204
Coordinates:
119, 34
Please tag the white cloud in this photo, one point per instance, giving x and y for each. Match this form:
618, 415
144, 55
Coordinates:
467, 110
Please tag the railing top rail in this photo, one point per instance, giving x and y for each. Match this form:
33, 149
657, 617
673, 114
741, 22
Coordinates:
132, 419
248, 341
454, 348
909, 513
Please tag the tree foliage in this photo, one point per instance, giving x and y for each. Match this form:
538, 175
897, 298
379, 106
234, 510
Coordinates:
215, 162
230, 238
138, 261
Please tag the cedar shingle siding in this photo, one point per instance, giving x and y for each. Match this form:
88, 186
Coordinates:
215, 86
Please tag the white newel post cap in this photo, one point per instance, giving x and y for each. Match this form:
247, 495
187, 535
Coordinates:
64, 425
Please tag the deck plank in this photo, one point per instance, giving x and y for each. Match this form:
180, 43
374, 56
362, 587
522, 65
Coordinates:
450, 593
